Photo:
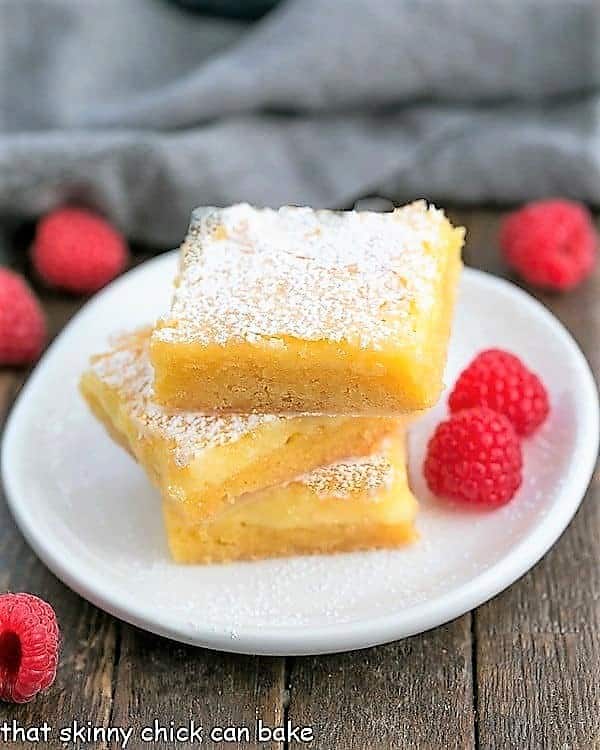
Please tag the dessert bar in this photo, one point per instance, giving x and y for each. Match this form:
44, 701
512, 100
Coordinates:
203, 463
302, 311
353, 505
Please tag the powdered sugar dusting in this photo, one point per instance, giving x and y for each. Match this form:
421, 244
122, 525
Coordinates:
369, 475
259, 274
127, 368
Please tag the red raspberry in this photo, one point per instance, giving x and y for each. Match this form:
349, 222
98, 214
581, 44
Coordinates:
77, 250
551, 243
474, 456
22, 323
500, 381
28, 647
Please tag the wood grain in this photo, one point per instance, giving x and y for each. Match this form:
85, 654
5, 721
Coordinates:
83, 688
176, 683
538, 649
537, 645
415, 694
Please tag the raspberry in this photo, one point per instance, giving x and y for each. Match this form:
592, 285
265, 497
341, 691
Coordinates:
28, 647
474, 456
551, 243
77, 250
22, 323
500, 381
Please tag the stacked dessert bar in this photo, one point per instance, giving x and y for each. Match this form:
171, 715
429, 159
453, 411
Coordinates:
270, 405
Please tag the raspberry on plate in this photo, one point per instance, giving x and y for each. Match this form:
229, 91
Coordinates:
22, 322
550, 243
77, 250
29, 641
475, 457
499, 380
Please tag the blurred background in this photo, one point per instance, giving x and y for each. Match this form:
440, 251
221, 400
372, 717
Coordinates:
143, 109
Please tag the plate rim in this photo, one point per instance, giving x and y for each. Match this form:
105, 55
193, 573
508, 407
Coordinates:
294, 640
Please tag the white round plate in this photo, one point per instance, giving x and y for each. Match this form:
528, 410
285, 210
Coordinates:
91, 515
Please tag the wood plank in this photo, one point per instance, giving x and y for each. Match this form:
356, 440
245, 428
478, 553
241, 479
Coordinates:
158, 678
538, 644
84, 684
538, 648
415, 694
83, 688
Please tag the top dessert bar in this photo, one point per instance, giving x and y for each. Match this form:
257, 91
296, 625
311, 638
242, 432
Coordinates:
302, 311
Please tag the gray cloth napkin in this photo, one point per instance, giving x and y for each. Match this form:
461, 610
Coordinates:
144, 111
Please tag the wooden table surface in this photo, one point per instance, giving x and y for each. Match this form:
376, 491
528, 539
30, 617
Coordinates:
522, 671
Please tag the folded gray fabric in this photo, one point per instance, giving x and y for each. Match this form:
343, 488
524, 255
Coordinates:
144, 111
